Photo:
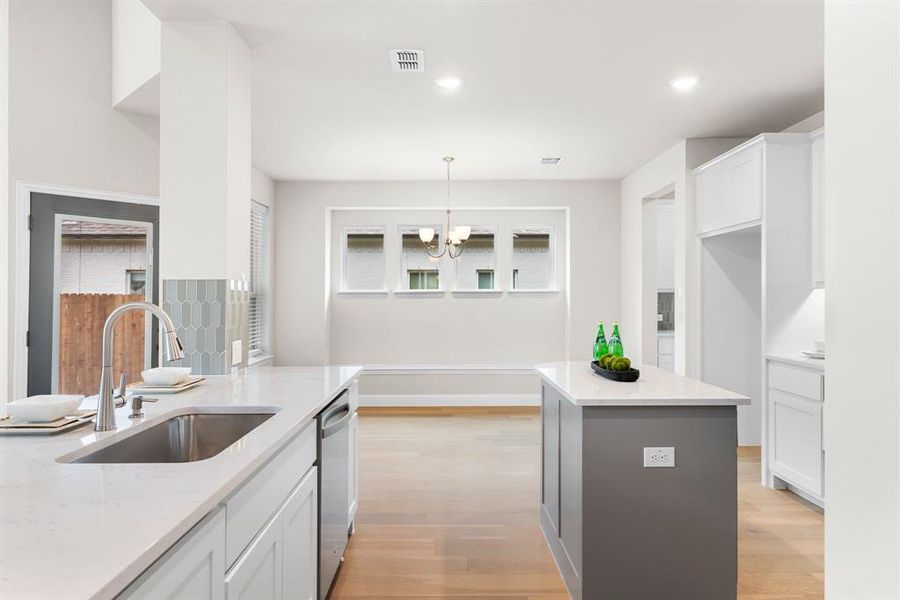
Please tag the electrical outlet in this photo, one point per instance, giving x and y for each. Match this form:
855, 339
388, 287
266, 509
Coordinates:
236, 353
659, 457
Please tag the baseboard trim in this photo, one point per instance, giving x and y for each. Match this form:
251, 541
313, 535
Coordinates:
407, 400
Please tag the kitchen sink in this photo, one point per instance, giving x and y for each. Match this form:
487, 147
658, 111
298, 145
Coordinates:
183, 438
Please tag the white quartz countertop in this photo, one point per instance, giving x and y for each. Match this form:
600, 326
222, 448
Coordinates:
656, 387
87, 530
799, 360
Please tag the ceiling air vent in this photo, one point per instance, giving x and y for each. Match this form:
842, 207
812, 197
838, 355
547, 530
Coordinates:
407, 61
550, 160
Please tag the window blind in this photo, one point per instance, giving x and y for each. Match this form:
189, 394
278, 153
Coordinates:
259, 271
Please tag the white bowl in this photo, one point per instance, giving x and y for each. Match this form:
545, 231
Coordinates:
167, 376
43, 409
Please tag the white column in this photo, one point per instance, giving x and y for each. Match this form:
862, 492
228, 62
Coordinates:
204, 165
862, 299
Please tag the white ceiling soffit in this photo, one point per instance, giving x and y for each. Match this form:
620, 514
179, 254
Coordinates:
587, 81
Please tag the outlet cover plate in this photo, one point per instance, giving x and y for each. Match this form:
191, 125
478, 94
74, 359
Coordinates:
236, 353
660, 456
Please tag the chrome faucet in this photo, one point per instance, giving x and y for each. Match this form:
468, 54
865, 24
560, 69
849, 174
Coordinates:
106, 419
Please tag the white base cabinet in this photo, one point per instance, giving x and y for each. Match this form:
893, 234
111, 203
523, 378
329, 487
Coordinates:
795, 448
272, 520
281, 560
190, 570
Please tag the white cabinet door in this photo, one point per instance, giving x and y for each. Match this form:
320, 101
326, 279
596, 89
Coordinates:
354, 468
193, 569
795, 453
730, 192
818, 209
301, 543
257, 574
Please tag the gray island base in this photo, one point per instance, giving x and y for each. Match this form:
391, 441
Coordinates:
620, 530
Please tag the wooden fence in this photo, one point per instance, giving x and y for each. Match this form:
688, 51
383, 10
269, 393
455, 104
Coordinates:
81, 319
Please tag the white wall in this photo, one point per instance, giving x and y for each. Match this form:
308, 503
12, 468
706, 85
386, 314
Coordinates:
668, 169
4, 201
519, 328
862, 217
810, 123
135, 51
62, 128
306, 318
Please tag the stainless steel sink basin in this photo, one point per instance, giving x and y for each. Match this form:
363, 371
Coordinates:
183, 438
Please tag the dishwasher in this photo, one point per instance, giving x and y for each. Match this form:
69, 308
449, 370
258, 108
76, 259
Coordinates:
334, 488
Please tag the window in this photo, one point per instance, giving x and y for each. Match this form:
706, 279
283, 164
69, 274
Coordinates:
423, 279
363, 259
257, 317
418, 271
532, 258
137, 282
475, 266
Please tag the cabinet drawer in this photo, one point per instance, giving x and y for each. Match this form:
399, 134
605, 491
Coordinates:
252, 505
796, 381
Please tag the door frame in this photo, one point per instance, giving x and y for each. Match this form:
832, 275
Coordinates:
24, 189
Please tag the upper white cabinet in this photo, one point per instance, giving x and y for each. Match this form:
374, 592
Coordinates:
729, 190
818, 207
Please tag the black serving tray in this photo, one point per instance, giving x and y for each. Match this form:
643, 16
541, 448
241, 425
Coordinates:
627, 376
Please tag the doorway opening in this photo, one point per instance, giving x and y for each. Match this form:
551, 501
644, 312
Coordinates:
88, 257
659, 291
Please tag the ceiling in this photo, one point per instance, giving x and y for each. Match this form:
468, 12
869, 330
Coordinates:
587, 81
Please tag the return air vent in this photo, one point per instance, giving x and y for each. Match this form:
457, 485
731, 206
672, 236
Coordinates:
550, 160
407, 61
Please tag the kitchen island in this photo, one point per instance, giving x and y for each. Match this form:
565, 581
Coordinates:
70, 530
639, 484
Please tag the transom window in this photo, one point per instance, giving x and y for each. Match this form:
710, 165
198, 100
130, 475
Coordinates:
363, 259
532, 259
476, 265
418, 271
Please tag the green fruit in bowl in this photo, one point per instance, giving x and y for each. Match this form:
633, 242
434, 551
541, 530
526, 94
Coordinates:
605, 360
621, 363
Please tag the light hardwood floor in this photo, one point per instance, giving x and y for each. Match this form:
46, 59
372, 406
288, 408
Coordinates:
448, 508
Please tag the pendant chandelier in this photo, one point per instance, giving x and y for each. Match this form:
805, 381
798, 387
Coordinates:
456, 237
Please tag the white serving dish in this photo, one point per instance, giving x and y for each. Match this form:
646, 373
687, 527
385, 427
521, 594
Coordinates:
43, 409
165, 376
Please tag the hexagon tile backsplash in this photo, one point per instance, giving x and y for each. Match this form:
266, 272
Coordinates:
208, 314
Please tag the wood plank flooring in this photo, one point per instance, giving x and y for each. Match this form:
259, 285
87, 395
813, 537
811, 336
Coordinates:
448, 509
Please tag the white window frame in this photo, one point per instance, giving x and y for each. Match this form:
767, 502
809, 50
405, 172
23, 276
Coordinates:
403, 277
363, 229
476, 230
533, 229
265, 285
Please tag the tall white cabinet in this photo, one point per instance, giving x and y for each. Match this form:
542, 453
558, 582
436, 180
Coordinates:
753, 221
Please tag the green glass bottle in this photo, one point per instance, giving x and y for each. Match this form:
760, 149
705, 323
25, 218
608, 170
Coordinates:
615, 342
600, 345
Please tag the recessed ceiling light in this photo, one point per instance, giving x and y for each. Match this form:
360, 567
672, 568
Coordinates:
449, 83
685, 82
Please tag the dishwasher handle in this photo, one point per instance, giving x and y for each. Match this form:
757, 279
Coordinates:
331, 426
